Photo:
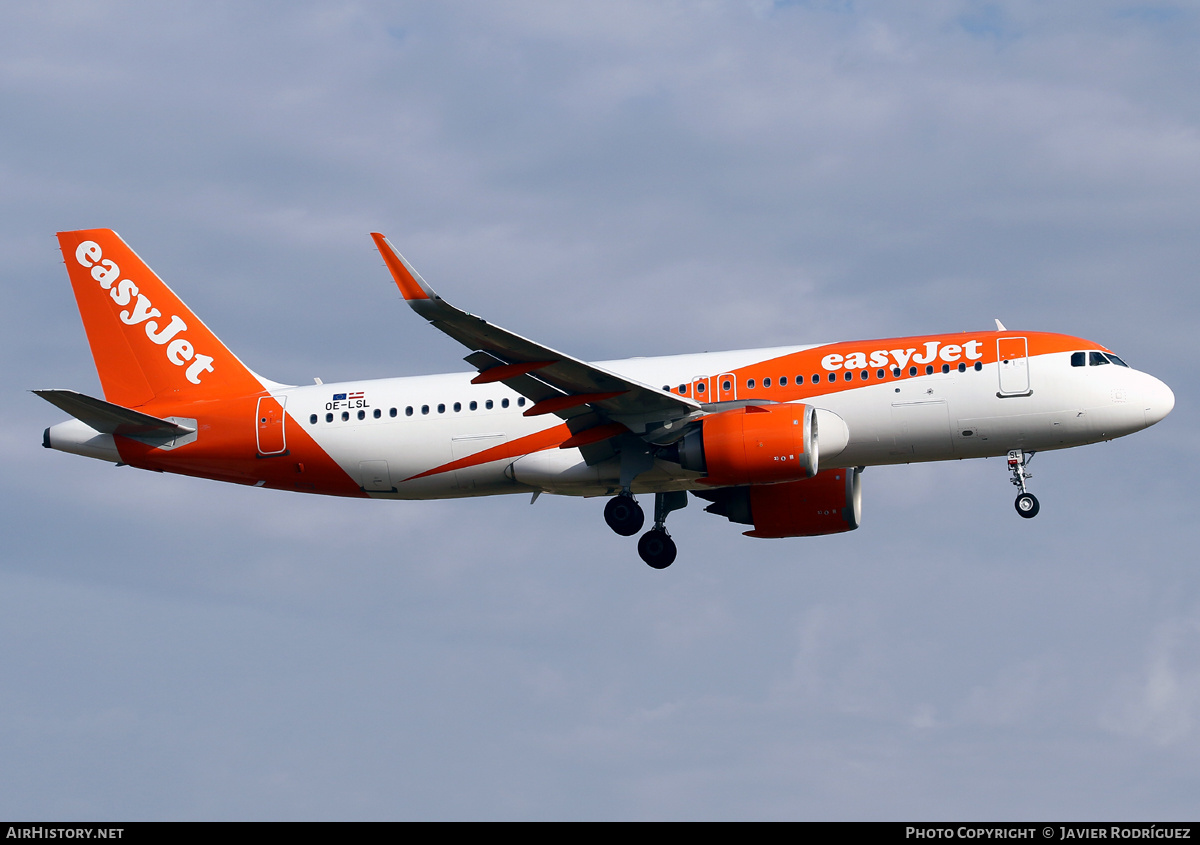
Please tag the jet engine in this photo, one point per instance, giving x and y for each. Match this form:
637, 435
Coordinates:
757, 444
828, 503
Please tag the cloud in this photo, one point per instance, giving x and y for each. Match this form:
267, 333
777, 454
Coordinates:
1161, 702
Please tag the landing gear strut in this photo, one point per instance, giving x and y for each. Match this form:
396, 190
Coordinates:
656, 546
1027, 503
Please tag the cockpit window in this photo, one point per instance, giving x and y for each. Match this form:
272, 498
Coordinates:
1095, 359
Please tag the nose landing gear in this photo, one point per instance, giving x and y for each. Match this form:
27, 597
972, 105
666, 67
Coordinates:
1026, 503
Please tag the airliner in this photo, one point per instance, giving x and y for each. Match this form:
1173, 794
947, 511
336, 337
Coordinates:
775, 439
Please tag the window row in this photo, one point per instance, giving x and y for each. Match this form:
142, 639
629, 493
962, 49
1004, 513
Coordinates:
425, 410
864, 375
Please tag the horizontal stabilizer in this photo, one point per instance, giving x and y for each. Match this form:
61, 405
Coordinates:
108, 418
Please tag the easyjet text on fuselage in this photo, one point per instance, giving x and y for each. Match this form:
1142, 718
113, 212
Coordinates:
900, 358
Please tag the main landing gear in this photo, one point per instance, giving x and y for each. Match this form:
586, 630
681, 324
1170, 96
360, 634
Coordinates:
625, 516
1026, 503
657, 548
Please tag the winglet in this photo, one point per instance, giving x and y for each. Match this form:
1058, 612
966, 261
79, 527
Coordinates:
411, 285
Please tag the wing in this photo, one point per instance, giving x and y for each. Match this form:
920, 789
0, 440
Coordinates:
596, 403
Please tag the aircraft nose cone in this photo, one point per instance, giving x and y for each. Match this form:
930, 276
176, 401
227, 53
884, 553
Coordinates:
1159, 401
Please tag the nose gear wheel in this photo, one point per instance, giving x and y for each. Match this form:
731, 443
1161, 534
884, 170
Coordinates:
1026, 503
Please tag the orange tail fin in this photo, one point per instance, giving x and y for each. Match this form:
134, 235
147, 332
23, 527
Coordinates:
147, 344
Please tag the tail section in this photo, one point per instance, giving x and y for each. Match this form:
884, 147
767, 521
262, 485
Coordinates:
146, 343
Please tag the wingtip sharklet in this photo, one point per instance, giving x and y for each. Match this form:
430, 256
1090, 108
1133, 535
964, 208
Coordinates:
411, 285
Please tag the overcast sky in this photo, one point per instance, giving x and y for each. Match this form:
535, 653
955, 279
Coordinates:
613, 179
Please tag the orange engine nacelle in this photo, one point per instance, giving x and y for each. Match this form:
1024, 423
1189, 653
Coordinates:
830, 503
758, 444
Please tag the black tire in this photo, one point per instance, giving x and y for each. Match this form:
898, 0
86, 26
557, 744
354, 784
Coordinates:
1027, 505
624, 515
657, 548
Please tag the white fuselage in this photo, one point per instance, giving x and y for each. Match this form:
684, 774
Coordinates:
406, 427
